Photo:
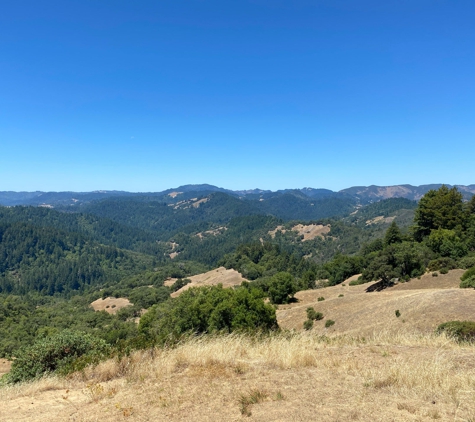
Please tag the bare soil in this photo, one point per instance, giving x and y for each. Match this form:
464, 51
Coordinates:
4, 366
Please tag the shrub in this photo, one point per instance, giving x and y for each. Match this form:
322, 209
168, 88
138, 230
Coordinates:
62, 353
444, 271
398, 314
321, 298
443, 262
208, 309
340, 295
468, 283
434, 274
467, 274
461, 330
329, 323
308, 324
466, 262
313, 315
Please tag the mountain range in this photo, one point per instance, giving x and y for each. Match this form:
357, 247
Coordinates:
357, 194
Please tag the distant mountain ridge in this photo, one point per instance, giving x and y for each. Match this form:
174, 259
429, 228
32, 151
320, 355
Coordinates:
361, 194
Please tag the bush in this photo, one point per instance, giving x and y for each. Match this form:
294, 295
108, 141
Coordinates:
308, 324
313, 315
321, 298
398, 314
466, 262
461, 330
340, 295
444, 262
435, 274
468, 274
63, 353
208, 309
329, 323
468, 283
444, 271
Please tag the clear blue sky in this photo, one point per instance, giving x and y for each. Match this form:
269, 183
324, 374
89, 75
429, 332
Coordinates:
147, 95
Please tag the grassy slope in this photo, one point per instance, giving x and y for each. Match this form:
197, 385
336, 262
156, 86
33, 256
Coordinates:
399, 371
301, 377
423, 304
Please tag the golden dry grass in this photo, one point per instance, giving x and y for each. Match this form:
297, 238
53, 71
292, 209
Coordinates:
423, 304
110, 304
285, 377
308, 232
228, 278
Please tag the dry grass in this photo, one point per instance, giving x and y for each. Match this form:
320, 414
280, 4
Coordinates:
423, 304
290, 376
110, 304
228, 278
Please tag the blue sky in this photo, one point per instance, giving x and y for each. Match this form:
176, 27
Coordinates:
147, 95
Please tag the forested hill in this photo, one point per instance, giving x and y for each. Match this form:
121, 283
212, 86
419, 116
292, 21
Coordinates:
361, 194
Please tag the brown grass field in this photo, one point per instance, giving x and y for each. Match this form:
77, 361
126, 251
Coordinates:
228, 278
369, 366
110, 304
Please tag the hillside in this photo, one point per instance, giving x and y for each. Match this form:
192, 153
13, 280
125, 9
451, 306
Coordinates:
423, 305
280, 378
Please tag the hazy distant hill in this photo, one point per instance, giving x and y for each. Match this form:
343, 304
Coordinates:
376, 193
362, 194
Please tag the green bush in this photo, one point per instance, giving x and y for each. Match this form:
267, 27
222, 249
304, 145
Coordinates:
468, 283
398, 314
341, 295
62, 353
308, 324
468, 274
461, 330
329, 323
444, 271
313, 315
210, 309
321, 298
466, 262
443, 262
435, 274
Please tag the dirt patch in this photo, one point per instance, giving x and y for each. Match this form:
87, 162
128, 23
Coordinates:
174, 194
213, 232
380, 219
197, 203
308, 232
311, 231
272, 233
169, 282
228, 278
5, 366
173, 255
110, 304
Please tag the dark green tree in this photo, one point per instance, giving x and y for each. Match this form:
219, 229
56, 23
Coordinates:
393, 234
281, 288
439, 209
